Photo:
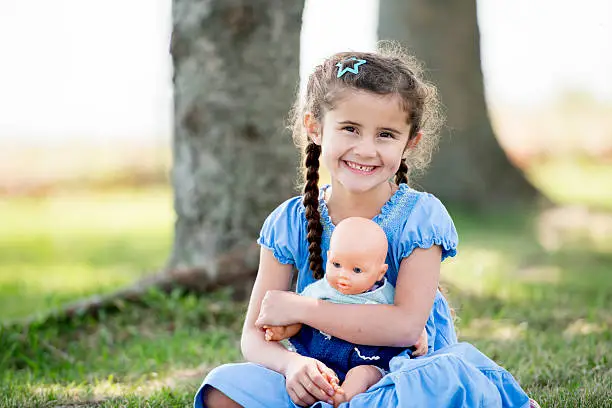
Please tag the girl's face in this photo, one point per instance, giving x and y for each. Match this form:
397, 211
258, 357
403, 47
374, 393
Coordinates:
362, 139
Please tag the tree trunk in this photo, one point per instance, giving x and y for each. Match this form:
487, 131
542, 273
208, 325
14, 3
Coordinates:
470, 167
235, 75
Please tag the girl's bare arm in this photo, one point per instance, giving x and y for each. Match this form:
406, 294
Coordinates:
272, 275
398, 325
304, 376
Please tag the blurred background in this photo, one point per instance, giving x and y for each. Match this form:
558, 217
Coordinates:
86, 199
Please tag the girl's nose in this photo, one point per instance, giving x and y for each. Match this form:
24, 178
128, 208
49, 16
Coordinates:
365, 147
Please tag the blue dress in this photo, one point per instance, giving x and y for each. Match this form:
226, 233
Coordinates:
452, 374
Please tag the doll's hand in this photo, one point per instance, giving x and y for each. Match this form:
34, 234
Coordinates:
274, 333
421, 345
308, 381
278, 333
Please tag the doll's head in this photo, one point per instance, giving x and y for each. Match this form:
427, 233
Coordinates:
356, 257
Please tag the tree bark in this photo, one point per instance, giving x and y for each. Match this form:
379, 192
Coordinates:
470, 167
236, 70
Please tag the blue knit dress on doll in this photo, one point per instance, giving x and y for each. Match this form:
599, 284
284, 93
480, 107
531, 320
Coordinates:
452, 374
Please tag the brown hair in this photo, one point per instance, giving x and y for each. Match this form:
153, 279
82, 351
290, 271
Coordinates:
388, 71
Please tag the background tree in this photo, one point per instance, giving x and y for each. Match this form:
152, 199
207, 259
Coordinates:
236, 66
236, 69
470, 166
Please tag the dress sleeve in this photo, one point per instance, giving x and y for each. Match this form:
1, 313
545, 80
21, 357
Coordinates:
428, 224
281, 231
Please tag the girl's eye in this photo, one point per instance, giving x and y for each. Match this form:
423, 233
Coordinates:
336, 264
386, 135
357, 270
349, 129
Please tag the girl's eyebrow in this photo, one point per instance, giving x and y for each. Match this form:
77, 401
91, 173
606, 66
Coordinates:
349, 122
386, 129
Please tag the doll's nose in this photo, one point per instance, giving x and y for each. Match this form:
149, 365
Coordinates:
344, 277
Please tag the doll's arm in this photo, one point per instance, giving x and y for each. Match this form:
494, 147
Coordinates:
421, 345
278, 333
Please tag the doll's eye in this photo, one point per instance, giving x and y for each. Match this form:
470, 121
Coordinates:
336, 264
357, 270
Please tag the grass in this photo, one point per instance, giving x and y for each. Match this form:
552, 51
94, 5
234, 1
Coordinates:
66, 246
574, 181
544, 314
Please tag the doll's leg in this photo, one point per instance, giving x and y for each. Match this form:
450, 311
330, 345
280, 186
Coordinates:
358, 379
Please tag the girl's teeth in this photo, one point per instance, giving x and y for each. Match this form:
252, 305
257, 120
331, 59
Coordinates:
362, 168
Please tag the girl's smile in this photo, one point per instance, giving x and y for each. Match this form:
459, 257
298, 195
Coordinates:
363, 137
360, 168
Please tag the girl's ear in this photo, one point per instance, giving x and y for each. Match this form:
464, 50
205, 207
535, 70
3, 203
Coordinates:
412, 143
313, 128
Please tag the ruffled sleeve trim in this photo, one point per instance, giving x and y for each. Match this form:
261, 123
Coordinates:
429, 224
449, 249
281, 232
277, 254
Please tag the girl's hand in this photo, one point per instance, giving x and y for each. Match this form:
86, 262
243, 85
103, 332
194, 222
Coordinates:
421, 345
309, 380
278, 308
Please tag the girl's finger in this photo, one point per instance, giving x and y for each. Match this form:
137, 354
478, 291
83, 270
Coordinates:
328, 372
294, 397
318, 386
304, 397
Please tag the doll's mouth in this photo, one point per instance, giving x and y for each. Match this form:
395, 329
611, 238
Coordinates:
343, 285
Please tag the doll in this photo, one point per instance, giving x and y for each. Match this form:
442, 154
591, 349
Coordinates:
354, 273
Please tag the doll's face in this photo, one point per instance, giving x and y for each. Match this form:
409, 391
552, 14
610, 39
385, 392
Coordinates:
356, 257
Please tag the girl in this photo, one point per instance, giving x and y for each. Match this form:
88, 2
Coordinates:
369, 117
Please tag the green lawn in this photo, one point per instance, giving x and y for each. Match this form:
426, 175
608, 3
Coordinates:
575, 181
545, 314
65, 246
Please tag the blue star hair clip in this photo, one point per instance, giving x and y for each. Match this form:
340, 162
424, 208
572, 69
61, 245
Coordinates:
353, 70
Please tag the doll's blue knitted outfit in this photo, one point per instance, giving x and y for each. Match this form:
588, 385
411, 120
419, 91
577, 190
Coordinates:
338, 354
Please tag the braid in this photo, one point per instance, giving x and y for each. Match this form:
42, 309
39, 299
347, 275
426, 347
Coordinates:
400, 175
311, 203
